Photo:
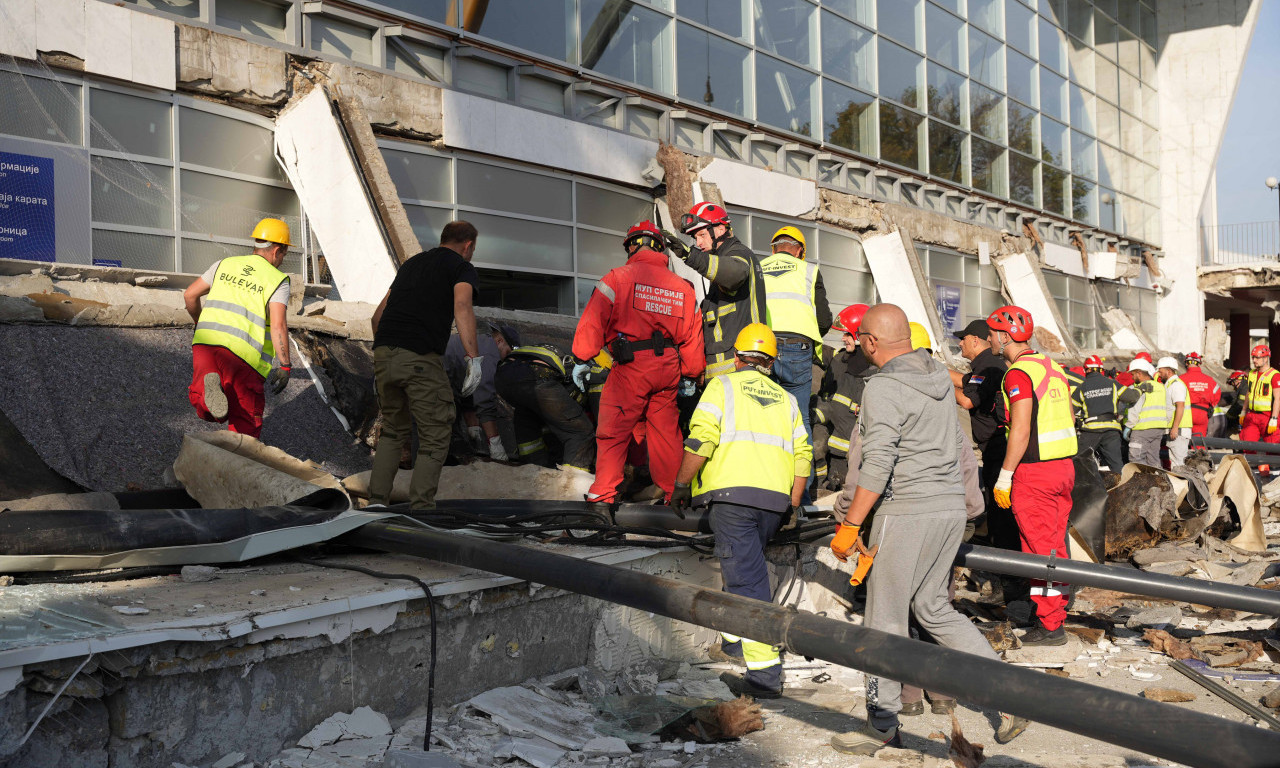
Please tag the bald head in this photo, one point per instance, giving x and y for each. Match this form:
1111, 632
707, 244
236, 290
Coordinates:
885, 333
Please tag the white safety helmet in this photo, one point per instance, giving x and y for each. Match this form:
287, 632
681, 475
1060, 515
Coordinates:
1168, 362
1144, 366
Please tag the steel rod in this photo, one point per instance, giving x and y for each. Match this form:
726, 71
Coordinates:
1225, 694
1187, 737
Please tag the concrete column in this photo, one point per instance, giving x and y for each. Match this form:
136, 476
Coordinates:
1239, 357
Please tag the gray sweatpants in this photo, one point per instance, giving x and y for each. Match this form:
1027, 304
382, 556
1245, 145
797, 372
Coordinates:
910, 578
1144, 446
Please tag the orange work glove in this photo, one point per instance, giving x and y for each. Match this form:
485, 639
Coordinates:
1004, 489
1272, 426
846, 539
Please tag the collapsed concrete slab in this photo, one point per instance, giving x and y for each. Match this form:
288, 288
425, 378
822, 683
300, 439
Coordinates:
488, 480
224, 470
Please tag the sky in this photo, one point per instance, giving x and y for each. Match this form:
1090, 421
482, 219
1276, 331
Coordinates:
1251, 147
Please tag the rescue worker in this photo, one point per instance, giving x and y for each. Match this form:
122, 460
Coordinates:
909, 474
1262, 408
241, 331
836, 413
533, 380
479, 415
979, 392
1206, 394
1232, 403
736, 298
748, 458
1148, 417
1097, 402
646, 316
1178, 403
1037, 475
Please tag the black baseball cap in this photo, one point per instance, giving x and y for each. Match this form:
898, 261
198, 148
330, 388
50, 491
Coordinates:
977, 328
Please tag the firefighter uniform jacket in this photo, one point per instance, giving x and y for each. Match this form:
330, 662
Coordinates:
736, 299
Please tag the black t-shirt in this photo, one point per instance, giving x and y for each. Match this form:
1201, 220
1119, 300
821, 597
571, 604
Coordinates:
419, 311
982, 386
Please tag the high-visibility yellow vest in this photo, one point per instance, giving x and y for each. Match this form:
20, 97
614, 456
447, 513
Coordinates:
751, 431
234, 314
1098, 402
1260, 391
790, 286
1155, 411
1185, 423
1053, 429
548, 356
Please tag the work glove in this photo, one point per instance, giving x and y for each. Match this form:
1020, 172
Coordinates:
846, 539
688, 388
278, 379
580, 372
1004, 489
1272, 425
476, 435
497, 451
471, 379
1125, 434
681, 499
675, 244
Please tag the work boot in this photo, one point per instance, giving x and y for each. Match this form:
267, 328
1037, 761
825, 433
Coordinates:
942, 706
717, 654
867, 741
744, 687
1011, 727
912, 709
1039, 636
215, 400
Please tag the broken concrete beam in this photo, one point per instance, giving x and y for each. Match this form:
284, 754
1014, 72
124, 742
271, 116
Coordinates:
1157, 617
231, 68
488, 480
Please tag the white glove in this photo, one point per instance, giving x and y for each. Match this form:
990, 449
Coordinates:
1003, 492
472, 378
580, 372
477, 438
496, 451
688, 387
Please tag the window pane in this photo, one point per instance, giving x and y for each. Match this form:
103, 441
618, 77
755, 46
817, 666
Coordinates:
986, 59
1084, 201
231, 145
1081, 59
900, 135
541, 26
784, 27
900, 73
126, 192
946, 266
1130, 95
1128, 46
598, 253
1082, 110
541, 93
341, 38
848, 52
785, 95
712, 70
988, 167
522, 244
1107, 80
1104, 35
1149, 30
763, 228
1053, 47
847, 286
946, 37
427, 223
723, 15
187, 8
1022, 179
123, 123
506, 189
1020, 27
410, 58
485, 77
1053, 95
611, 210
214, 205
837, 250
900, 20
1080, 20
627, 41
986, 15
861, 11
134, 251
848, 119
1055, 190
435, 10
1084, 155
945, 94
946, 152
1053, 142
1022, 129
526, 291
261, 18
1023, 82
987, 112
39, 109
419, 177
1108, 121
1110, 172
199, 255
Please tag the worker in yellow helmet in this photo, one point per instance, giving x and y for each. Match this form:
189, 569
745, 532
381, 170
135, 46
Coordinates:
242, 337
748, 458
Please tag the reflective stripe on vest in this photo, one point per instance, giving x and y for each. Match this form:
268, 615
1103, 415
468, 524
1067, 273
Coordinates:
234, 314
1053, 429
1185, 423
790, 286
1099, 402
1155, 411
1260, 391
545, 355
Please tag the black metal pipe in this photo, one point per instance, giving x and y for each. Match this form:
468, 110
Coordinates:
1187, 737
1234, 445
1129, 580
1225, 694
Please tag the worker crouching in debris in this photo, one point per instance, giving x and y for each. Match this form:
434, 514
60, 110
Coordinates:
240, 330
909, 474
533, 380
747, 457
476, 428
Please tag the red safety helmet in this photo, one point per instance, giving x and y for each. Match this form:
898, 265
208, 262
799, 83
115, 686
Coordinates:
1194, 358
1262, 350
1144, 356
646, 233
850, 318
1236, 377
1014, 321
703, 215
1093, 361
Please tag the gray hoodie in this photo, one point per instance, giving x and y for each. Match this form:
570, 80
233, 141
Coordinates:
908, 427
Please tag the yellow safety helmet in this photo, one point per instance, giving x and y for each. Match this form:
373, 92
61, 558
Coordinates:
920, 337
794, 234
757, 337
603, 359
273, 231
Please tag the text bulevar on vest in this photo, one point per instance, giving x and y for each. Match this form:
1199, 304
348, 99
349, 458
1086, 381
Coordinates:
235, 314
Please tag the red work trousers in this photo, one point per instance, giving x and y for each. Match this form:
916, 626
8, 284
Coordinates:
1254, 428
1041, 505
642, 392
240, 383
1199, 422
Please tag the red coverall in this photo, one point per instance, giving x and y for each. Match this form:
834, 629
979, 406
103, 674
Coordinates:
1254, 427
633, 301
1205, 394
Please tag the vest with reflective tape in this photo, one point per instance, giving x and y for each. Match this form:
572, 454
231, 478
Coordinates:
1155, 411
1185, 423
1053, 429
790, 303
548, 356
1098, 398
1260, 393
234, 314
752, 434
725, 314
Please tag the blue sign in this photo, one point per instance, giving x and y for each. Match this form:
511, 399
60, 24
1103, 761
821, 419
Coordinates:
948, 299
108, 263
27, 223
